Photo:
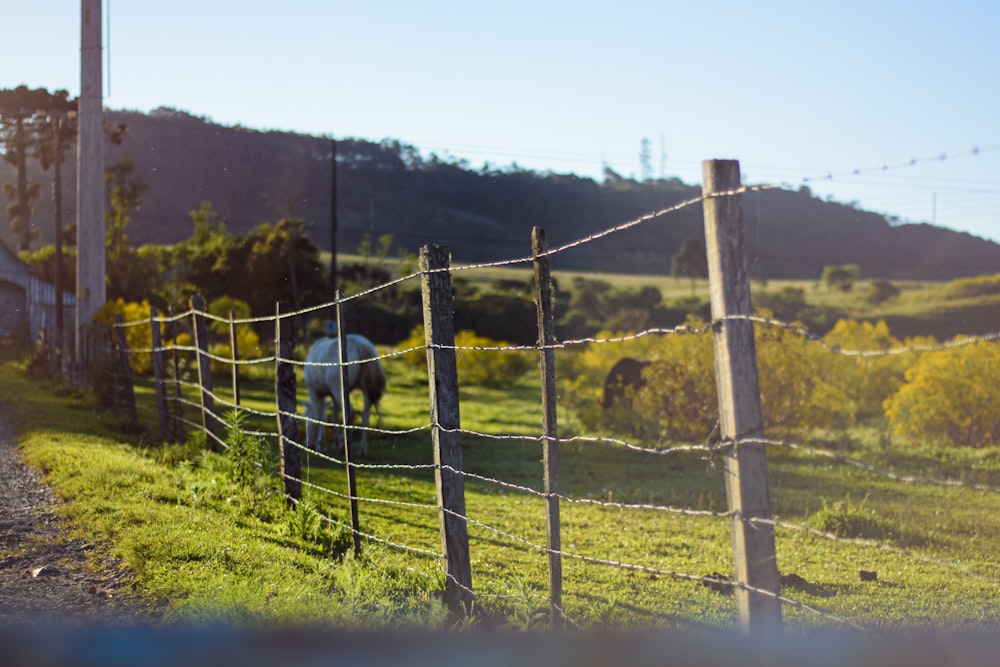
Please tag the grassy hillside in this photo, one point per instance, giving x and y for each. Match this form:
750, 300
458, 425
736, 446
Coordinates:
386, 187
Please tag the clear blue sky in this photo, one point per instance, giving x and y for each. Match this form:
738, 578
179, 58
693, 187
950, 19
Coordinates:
793, 89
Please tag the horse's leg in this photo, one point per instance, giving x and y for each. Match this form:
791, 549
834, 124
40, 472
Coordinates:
338, 431
310, 414
353, 375
315, 431
341, 425
365, 415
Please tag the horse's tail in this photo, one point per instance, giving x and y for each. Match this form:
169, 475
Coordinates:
372, 380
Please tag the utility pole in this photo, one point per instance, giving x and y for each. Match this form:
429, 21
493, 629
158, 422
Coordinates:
663, 158
60, 334
334, 283
90, 263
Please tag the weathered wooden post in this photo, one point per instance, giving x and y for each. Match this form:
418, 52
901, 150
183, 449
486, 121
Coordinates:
125, 369
94, 344
159, 373
442, 375
109, 363
284, 391
204, 368
344, 374
48, 344
178, 404
740, 416
550, 448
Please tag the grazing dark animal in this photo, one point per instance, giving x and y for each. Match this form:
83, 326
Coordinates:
624, 376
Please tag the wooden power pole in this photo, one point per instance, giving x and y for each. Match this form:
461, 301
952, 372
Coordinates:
334, 283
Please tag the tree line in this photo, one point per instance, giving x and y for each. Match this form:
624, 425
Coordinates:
487, 213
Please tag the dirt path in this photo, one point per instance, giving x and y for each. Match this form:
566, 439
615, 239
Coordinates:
45, 575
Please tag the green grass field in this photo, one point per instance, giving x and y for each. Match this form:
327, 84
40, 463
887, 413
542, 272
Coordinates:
208, 544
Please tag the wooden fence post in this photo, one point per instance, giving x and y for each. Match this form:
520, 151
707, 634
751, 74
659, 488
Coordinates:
109, 363
236, 357
95, 344
48, 344
128, 383
352, 482
178, 405
442, 374
70, 362
740, 416
159, 373
550, 448
125, 368
93, 349
204, 368
284, 391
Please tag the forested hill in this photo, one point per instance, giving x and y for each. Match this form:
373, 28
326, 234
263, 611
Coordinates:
251, 177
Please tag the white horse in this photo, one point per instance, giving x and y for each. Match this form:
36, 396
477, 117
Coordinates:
322, 377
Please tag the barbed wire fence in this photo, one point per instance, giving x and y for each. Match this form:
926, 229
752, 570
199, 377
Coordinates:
182, 386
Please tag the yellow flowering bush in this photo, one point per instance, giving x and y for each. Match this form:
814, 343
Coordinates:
476, 365
138, 333
950, 395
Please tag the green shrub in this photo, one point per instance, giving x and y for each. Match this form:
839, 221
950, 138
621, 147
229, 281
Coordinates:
247, 470
307, 524
846, 519
881, 291
101, 381
188, 452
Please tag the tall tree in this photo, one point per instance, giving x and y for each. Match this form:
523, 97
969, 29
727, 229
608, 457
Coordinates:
690, 260
283, 265
126, 270
841, 277
204, 263
124, 193
23, 134
62, 127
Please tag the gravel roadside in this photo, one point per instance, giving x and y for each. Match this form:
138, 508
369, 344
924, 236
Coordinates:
48, 576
